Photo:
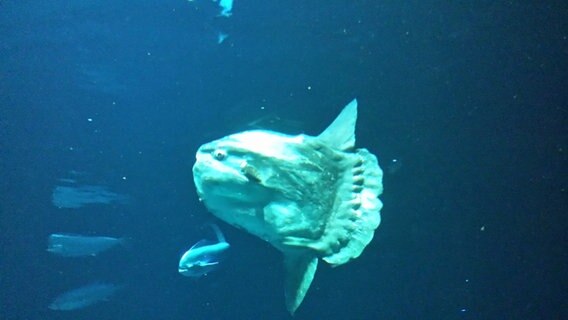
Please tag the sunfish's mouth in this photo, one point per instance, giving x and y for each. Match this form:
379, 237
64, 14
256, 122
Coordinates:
215, 172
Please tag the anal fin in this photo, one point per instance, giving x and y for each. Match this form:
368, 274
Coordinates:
300, 271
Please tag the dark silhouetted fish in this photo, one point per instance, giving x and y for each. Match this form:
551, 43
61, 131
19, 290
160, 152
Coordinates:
77, 197
73, 245
83, 297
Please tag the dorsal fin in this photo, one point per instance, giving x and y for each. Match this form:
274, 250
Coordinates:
201, 243
341, 132
218, 232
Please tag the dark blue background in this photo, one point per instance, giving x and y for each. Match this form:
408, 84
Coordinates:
468, 97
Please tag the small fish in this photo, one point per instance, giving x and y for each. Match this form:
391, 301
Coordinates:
226, 7
72, 245
203, 258
83, 297
221, 37
77, 197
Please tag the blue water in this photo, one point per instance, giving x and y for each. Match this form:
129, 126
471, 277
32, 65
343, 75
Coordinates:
464, 104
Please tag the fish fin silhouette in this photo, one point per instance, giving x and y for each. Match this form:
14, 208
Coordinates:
341, 132
201, 243
300, 271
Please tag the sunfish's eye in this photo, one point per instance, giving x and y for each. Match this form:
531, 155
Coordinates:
219, 154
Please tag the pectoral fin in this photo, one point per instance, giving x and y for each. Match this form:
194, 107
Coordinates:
300, 271
250, 172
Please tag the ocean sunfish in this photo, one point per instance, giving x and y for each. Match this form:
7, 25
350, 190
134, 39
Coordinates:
309, 196
203, 257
